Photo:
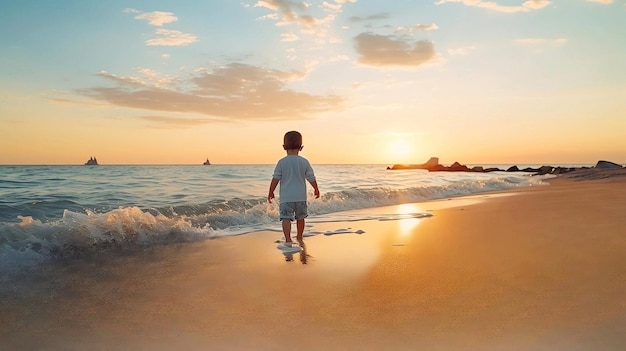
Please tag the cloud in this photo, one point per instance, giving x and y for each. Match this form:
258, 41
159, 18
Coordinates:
233, 92
419, 27
145, 78
136, 81
287, 37
379, 50
604, 2
536, 4
526, 6
271, 16
288, 10
167, 37
311, 26
376, 17
156, 18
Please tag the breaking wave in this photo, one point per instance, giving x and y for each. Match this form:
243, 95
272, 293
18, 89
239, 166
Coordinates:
30, 241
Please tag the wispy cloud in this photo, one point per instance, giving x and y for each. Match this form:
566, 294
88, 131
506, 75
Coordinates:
145, 77
309, 19
288, 11
308, 32
164, 37
419, 27
164, 122
381, 51
167, 37
376, 17
604, 2
233, 92
525, 6
289, 37
156, 18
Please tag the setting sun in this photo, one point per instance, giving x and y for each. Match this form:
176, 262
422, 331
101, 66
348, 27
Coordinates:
399, 149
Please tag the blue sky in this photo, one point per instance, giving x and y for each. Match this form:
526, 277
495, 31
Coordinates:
365, 81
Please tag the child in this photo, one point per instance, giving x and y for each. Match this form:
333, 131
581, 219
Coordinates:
292, 172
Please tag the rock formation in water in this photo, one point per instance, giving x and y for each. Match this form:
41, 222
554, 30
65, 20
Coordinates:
432, 165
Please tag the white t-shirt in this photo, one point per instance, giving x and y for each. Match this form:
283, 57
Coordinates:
293, 171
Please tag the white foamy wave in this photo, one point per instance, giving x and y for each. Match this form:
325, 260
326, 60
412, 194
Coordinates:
31, 241
77, 234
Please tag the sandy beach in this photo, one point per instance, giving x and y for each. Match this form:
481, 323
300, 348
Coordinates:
538, 268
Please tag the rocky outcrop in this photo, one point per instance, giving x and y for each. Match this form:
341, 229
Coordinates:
607, 165
432, 163
433, 166
91, 162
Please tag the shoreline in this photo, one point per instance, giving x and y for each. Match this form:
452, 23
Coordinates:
530, 268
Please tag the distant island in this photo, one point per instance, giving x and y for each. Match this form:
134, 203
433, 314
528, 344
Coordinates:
432, 165
91, 162
207, 163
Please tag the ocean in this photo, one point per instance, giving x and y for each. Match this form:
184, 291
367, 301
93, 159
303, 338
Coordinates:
59, 212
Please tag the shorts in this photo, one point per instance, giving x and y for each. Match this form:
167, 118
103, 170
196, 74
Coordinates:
293, 210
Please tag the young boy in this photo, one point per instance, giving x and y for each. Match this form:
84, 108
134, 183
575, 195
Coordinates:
292, 172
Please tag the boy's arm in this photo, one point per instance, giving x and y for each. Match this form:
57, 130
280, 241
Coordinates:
316, 190
273, 185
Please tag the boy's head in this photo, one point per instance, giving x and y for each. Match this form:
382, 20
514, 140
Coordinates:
292, 141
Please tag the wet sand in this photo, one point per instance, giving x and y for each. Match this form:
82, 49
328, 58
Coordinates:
539, 268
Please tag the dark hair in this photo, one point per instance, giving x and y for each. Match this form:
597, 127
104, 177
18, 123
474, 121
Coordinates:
292, 140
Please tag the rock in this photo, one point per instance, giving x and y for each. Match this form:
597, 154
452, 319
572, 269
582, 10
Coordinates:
437, 168
432, 163
561, 170
544, 170
607, 165
457, 167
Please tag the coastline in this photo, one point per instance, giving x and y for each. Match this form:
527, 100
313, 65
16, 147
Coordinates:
540, 268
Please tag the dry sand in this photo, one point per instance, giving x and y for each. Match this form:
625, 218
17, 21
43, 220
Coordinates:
540, 268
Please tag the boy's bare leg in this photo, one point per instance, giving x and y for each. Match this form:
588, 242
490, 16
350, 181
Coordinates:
287, 230
300, 228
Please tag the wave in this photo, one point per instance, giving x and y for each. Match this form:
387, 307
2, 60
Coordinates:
31, 241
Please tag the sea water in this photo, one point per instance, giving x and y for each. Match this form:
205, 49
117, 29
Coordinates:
49, 212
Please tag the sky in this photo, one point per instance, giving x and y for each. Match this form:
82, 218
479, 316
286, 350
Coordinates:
364, 81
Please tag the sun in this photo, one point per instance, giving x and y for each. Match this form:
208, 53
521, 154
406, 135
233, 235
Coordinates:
399, 149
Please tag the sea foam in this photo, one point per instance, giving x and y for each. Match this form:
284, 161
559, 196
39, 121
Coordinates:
28, 241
